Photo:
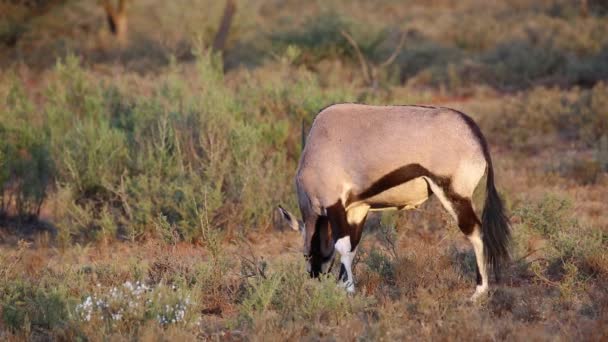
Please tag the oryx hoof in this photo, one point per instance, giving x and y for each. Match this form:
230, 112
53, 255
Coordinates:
480, 291
348, 286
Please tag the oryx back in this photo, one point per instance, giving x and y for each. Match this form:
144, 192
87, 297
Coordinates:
379, 154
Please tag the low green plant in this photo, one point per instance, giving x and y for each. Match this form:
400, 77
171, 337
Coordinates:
543, 117
570, 245
289, 292
321, 37
26, 166
518, 63
28, 306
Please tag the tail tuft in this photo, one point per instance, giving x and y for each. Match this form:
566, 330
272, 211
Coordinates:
495, 227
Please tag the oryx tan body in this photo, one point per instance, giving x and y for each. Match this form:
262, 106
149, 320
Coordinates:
350, 146
359, 158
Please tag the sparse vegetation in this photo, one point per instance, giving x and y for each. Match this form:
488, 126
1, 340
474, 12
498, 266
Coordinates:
137, 184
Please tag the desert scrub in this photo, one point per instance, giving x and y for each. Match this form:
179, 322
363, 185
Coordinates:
26, 166
564, 252
544, 116
320, 37
585, 170
287, 295
553, 218
379, 272
27, 306
128, 306
196, 154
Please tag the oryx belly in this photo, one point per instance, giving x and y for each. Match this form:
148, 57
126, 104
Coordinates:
404, 196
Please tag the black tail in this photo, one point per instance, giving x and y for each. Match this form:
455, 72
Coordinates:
495, 226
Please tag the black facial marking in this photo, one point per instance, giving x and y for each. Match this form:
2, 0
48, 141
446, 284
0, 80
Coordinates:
284, 213
321, 247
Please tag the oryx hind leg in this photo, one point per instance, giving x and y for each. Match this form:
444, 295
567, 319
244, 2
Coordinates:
461, 208
347, 226
471, 226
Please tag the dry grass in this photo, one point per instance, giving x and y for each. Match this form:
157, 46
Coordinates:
137, 184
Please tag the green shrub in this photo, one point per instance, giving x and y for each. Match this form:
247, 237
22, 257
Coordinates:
426, 62
601, 152
94, 157
565, 254
320, 37
520, 63
543, 117
382, 264
583, 170
26, 306
291, 294
553, 219
26, 166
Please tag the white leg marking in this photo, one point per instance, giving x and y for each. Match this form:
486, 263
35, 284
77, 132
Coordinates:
343, 247
441, 196
477, 243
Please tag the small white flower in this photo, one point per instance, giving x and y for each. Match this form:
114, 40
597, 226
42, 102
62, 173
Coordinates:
128, 285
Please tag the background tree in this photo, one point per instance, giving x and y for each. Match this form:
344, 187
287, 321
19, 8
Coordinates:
117, 19
219, 42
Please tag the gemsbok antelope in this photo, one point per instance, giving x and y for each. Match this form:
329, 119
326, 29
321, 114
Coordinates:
359, 158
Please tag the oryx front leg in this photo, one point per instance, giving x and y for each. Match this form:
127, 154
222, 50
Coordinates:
348, 226
343, 246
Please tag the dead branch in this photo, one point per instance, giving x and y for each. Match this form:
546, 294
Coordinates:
369, 70
584, 8
395, 53
256, 266
362, 60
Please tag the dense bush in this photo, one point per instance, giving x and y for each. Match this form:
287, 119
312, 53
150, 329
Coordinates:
26, 166
545, 116
321, 37
26, 306
570, 251
190, 158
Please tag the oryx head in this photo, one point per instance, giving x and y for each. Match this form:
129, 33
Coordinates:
318, 244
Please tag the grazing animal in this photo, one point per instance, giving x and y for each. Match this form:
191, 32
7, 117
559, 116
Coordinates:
361, 158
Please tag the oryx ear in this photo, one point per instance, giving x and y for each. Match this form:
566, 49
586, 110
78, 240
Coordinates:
294, 223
